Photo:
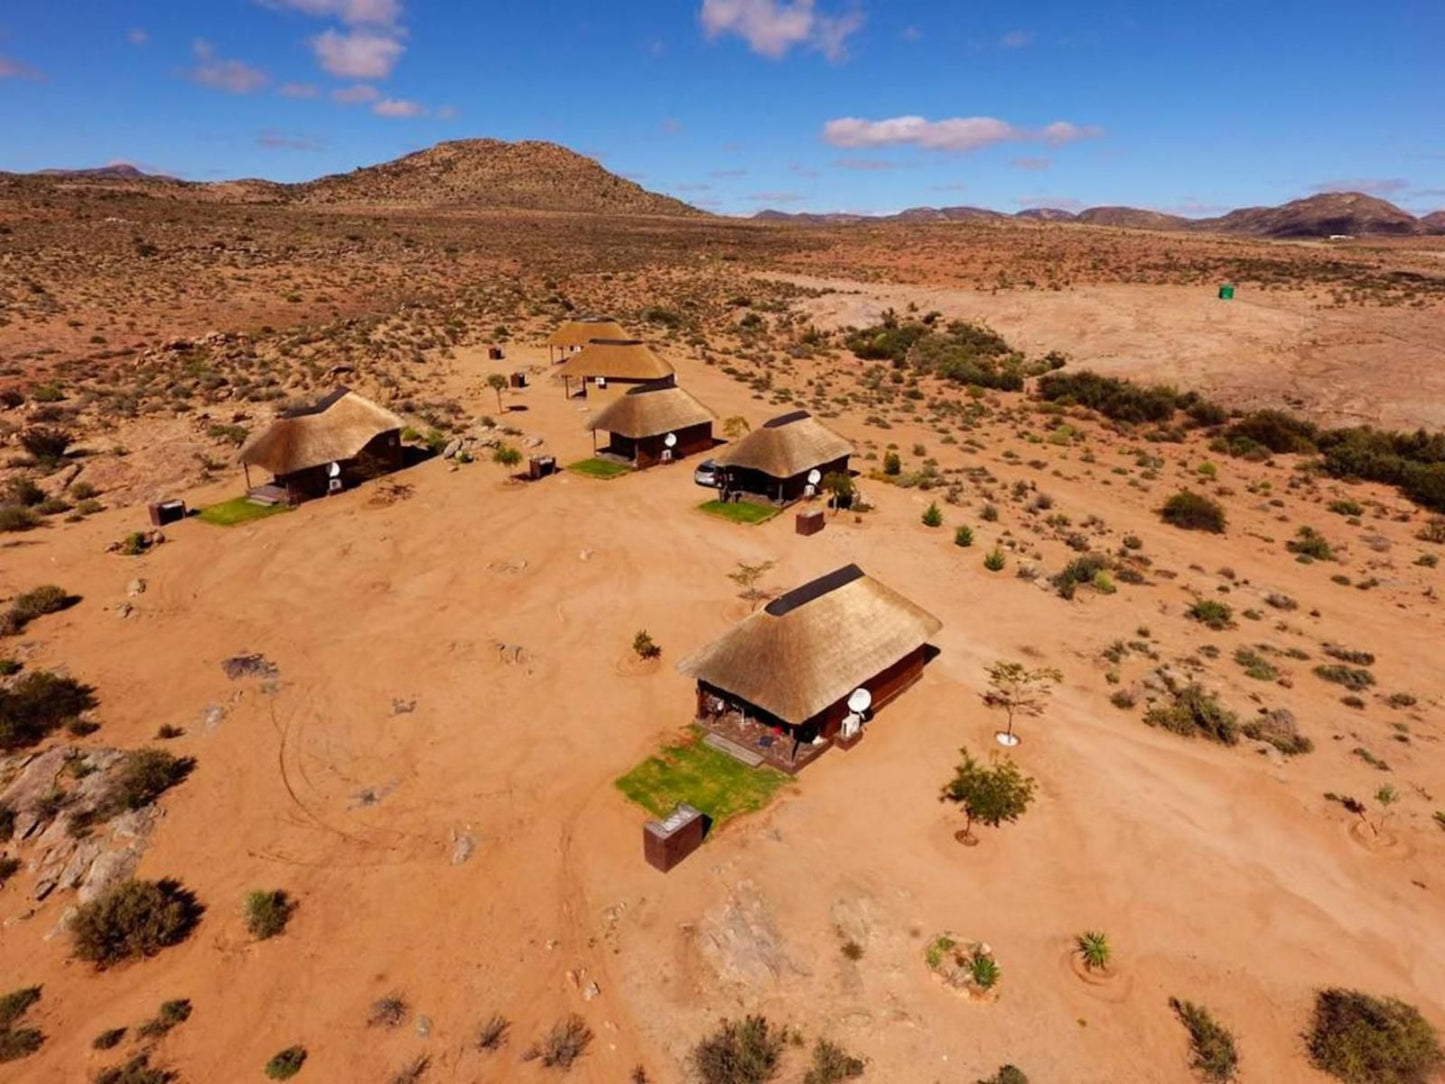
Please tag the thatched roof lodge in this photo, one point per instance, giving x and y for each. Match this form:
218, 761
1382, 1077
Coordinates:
774, 461
793, 665
639, 423
343, 439
621, 361
575, 334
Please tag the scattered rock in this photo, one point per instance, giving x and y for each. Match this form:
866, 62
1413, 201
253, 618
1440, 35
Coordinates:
453, 447
532, 442
740, 940
423, 1026
243, 666
124, 610
590, 991
462, 848
211, 716
403, 707
136, 587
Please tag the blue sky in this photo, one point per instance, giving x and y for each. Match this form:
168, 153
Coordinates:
868, 105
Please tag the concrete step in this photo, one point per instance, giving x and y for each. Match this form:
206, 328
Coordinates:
733, 749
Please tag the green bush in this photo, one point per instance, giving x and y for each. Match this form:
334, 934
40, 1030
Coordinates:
15, 517
1350, 677
1212, 613
1082, 570
831, 1064
286, 1064
1367, 1040
17, 1043
134, 919
892, 465
1116, 399
1007, 1074
143, 776
994, 560
32, 604
1308, 542
37, 704
1192, 511
1094, 949
138, 1070
932, 516
47, 445
963, 536
1193, 712
748, 1051
108, 1039
989, 794
16, 1004
267, 913
1215, 1057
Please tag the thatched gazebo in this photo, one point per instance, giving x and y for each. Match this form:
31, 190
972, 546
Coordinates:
575, 334
793, 665
639, 423
620, 361
774, 462
332, 444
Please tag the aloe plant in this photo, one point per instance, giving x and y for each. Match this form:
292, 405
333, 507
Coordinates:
984, 969
1094, 948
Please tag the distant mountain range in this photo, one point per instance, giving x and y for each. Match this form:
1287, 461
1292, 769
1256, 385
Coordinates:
536, 176
1330, 214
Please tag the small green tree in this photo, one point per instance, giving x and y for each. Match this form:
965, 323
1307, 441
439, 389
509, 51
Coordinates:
932, 516
840, 489
963, 536
989, 794
1386, 796
497, 382
506, 456
644, 645
1019, 690
892, 465
747, 576
994, 560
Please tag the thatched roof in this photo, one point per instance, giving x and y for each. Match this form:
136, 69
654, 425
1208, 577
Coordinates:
787, 446
650, 410
582, 331
617, 359
335, 428
813, 646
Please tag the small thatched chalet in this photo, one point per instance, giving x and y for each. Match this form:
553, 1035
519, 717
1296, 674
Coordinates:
794, 664
616, 361
575, 334
774, 461
639, 423
343, 439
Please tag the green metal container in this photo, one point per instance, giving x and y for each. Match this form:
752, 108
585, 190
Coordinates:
1226, 293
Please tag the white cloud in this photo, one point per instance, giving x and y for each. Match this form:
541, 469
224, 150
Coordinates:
350, 12
360, 54
398, 107
355, 95
951, 134
1017, 39
1372, 186
298, 90
232, 76
773, 27
137, 36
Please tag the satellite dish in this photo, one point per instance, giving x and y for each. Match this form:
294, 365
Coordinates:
814, 477
859, 701
670, 440
334, 471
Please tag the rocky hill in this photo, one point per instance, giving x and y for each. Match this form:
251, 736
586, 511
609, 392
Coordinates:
490, 173
1324, 215
1133, 218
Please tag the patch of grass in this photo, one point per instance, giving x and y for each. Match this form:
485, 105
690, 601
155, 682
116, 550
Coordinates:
565, 1042
704, 778
286, 1064
1368, 1040
831, 1064
740, 511
604, 469
388, 1012
1255, 665
1350, 677
1212, 613
267, 913
1196, 713
240, 510
1215, 1057
493, 1034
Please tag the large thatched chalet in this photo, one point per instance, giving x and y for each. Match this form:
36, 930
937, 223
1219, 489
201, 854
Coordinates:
336, 442
780, 681
615, 361
775, 461
639, 424
575, 334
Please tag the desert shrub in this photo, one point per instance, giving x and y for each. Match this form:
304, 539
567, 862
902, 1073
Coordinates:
892, 464
1081, 570
286, 1064
984, 969
1007, 1074
138, 1070
1193, 712
16, 1004
831, 1064
1351, 677
1094, 949
1280, 730
267, 913
1214, 1055
1350, 655
1346, 507
1117, 399
17, 1043
171, 1014
388, 1012
47, 445
133, 918
15, 517
963, 536
38, 703
22, 490
493, 1033
994, 560
565, 1042
108, 1039
1308, 542
746, 1051
1367, 1040
1255, 665
7, 823
505, 455
1274, 429
1212, 613
644, 647
143, 776
32, 604
1193, 512
989, 794
932, 517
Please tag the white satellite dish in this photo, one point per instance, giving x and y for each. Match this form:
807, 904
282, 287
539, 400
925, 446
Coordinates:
814, 477
334, 471
859, 701
670, 440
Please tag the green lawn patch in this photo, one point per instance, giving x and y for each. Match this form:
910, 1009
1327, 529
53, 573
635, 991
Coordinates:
240, 510
605, 469
704, 778
740, 511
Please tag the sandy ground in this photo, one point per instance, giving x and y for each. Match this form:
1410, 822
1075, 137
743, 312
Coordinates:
1265, 348
1222, 875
